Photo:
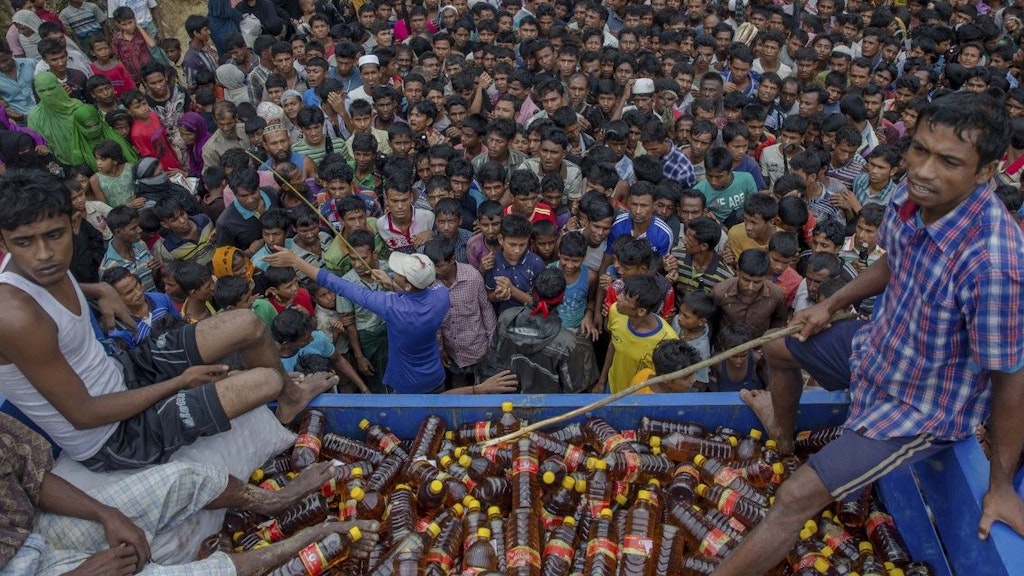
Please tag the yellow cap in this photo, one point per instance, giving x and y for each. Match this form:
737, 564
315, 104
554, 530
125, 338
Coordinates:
606, 513
643, 495
357, 472
483, 533
460, 451
654, 482
355, 533
621, 499
811, 525
699, 459
865, 547
238, 536
732, 441
702, 489
589, 462
458, 509
434, 529
778, 469
493, 511
506, 407
822, 565
357, 493
598, 464
581, 486
465, 460
446, 460
449, 435
827, 551
568, 482
771, 444
435, 487
827, 514
771, 501
568, 521
548, 477
805, 533
656, 450
257, 475
364, 424
890, 566
755, 433
402, 487
655, 441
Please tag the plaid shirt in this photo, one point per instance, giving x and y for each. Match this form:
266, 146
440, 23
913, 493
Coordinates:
676, 166
133, 53
948, 318
467, 329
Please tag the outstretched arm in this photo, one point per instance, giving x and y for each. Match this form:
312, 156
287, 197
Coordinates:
1006, 427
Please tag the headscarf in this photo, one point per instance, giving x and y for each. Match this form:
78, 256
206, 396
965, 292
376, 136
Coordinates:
7, 124
272, 113
223, 260
53, 117
233, 80
18, 150
30, 44
196, 125
89, 129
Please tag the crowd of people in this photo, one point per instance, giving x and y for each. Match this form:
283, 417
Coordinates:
526, 196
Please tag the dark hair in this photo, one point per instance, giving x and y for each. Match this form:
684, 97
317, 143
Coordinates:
673, 355
633, 251
573, 244
276, 219
754, 262
646, 290
872, 214
167, 208
245, 178
718, 159
824, 261
784, 243
31, 196
523, 182
763, 205
121, 217
702, 303
706, 231
832, 229
968, 112
596, 206
190, 276
543, 228
733, 335
516, 226
290, 326
230, 290
110, 150
793, 211
278, 276
362, 238
349, 204
116, 274
439, 249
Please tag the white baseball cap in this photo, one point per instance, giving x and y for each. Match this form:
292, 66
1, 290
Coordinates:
416, 268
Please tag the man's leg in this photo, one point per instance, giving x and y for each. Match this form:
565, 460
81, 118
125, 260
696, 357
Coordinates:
239, 331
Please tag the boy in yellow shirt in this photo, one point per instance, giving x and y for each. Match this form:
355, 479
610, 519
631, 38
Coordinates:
669, 356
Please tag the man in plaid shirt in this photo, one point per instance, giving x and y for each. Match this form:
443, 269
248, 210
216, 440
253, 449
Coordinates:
945, 344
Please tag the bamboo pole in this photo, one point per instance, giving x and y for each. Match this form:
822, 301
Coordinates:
689, 370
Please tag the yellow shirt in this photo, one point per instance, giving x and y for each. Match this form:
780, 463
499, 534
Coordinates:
645, 374
632, 349
738, 241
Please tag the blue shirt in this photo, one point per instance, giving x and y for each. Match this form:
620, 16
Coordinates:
413, 319
521, 274
18, 93
658, 233
676, 166
320, 346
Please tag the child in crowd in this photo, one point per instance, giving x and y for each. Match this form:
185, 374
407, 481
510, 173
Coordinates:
692, 324
447, 218
635, 330
784, 251
147, 134
670, 356
572, 249
367, 332
544, 241
328, 319
131, 42
552, 190
509, 280
94, 211
127, 249
758, 226
741, 372
633, 257
275, 224
294, 336
183, 237
104, 63
236, 293
196, 285
283, 290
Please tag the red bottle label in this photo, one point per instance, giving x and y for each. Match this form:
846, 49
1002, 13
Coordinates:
727, 501
603, 546
632, 464
308, 441
482, 431
877, 519
521, 557
611, 443
438, 557
574, 456
726, 475
629, 435
714, 543
638, 545
560, 549
349, 511
389, 442
313, 559
270, 531
525, 463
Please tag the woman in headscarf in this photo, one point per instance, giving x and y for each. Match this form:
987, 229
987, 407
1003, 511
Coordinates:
28, 24
7, 124
17, 151
232, 79
152, 184
53, 117
194, 133
229, 261
88, 130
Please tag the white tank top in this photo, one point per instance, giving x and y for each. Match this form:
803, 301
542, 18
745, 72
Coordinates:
78, 344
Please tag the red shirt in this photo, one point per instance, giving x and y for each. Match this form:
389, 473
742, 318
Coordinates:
789, 280
150, 139
542, 211
302, 300
118, 75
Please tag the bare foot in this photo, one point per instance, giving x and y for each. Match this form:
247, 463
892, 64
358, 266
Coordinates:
299, 391
760, 401
308, 480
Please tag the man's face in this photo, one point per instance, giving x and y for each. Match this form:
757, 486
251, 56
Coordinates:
859, 77
315, 75
249, 199
700, 144
400, 145
527, 31
750, 286
664, 208
814, 281
354, 220
180, 225
513, 248
821, 243
278, 145
780, 262
976, 85
41, 251
710, 89
156, 85
385, 108
869, 46
370, 73
738, 146
437, 166
842, 154
130, 290
943, 168
809, 104
865, 234
525, 203
641, 209
273, 236
103, 94
398, 204
447, 225
757, 228
719, 180
284, 63
58, 63
551, 156
551, 101
740, 70
805, 69
546, 59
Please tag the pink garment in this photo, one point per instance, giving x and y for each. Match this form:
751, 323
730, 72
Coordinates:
14, 42
266, 181
401, 32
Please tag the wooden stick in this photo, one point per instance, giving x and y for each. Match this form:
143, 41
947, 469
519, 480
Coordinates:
689, 370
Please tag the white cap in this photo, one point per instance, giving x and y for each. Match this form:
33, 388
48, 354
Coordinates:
416, 268
843, 49
643, 86
369, 59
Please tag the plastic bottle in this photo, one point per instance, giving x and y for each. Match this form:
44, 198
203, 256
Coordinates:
555, 466
571, 433
479, 468
472, 521
869, 564
349, 509
637, 468
524, 475
279, 464
306, 448
657, 427
310, 510
884, 537
572, 455
669, 551
759, 473
247, 542
348, 450
430, 497
480, 556
382, 438
319, 557
336, 487
371, 505
806, 552
599, 488
240, 521
732, 504
563, 500
522, 543
276, 483
603, 438
508, 422
500, 455
918, 569
682, 448
428, 438
854, 513
603, 548
496, 521
384, 477
583, 525
494, 491
698, 565
400, 513
446, 548
714, 518
836, 536
640, 541
409, 558
560, 549
683, 485
420, 472
809, 441
713, 471
749, 446
707, 540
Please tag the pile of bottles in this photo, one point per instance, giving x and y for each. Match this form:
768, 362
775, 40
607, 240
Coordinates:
668, 498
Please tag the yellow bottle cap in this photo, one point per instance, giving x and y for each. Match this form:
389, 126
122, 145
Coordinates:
600, 464
755, 434
699, 459
655, 441
732, 441
548, 477
866, 548
890, 566
827, 551
493, 511
402, 487
568, 482
811, 525
257, 475
355, 533
446, 460
357, 472
896, 572
458, 509
643, 495
656, 450
460, 451
357, 493
465, 460
827, 514
606, 513
434, 529
621, 499
654, 482
581, 486
822, 566
436, 487
364, 424
805, 533
506, 407
569, 521
449, 435
589, 462
238, 536
778, 469
483, 533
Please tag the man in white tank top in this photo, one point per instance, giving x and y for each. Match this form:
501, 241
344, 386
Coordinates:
139, 408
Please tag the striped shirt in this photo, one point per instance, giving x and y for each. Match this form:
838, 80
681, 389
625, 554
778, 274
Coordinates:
691, 280
658, 233
849, 171
947, 320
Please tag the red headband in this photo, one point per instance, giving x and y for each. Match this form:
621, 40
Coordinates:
544, 306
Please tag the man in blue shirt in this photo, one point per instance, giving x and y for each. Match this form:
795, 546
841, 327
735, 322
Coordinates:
413, 315
640, 222
16, 75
